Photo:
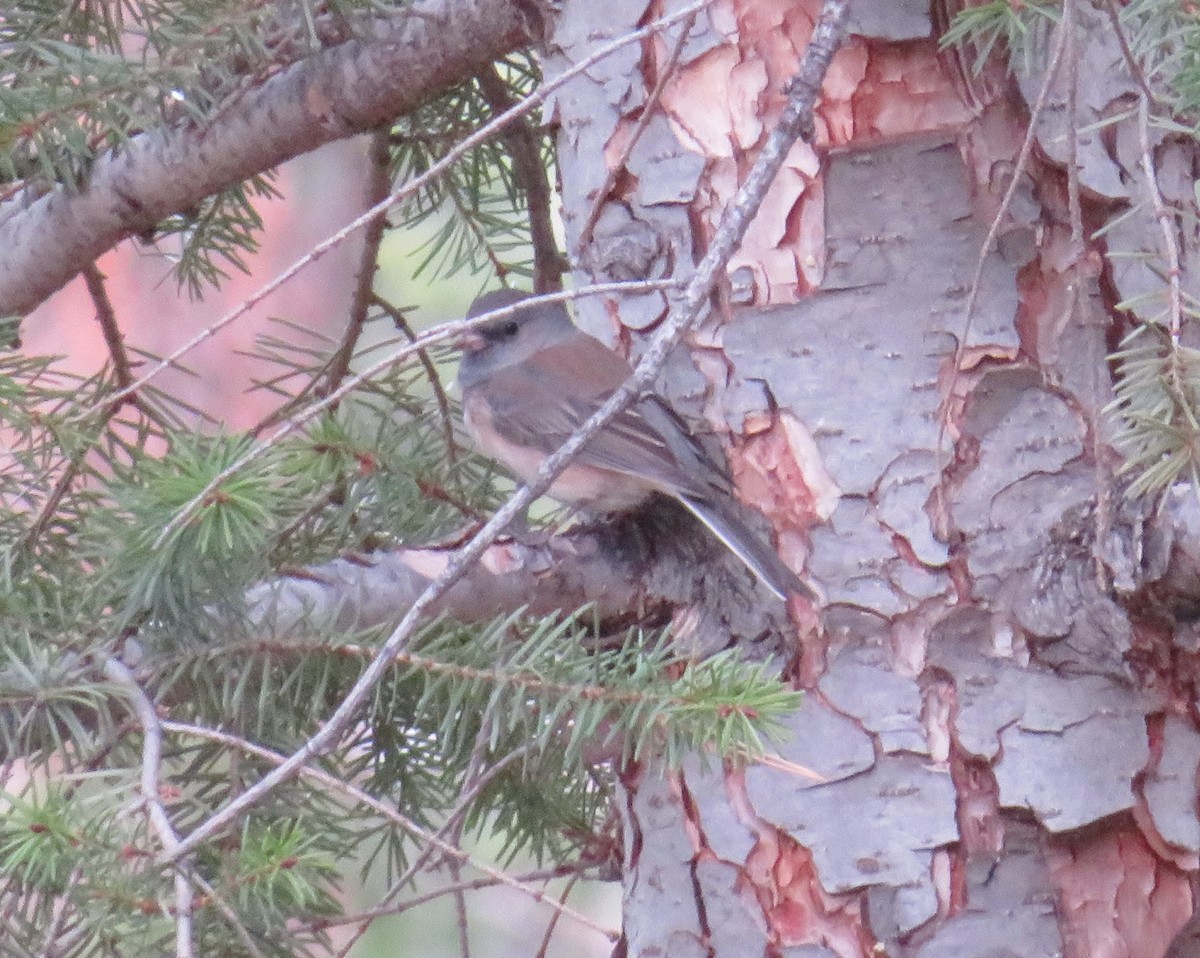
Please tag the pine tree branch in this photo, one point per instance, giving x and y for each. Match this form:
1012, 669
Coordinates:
453, 823
123, 373
401, 61
408, 189
386, 810
473, 884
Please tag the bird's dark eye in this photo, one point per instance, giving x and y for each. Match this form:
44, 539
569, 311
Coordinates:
510, 328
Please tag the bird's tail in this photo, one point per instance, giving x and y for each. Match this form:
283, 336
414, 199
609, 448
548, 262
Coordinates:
757, 554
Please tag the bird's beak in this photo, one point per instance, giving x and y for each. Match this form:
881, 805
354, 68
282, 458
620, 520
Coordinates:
469, 341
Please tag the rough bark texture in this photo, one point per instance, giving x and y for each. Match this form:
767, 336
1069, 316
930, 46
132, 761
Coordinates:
390, 68
1002, 703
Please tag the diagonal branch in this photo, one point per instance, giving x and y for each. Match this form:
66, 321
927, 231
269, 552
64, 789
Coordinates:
379, 185
530, 173
402, 60
796, 120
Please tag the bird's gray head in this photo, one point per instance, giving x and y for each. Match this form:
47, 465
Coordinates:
510, 340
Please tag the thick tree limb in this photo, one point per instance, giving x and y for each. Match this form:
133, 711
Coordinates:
635, 569
396, 64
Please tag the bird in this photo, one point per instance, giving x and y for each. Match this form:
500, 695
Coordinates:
530, 379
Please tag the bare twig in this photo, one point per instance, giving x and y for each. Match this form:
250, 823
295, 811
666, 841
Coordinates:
1166, 223
1039, 106
530, 173
795, 120
412, 186
379, 185
553, 923
648, 111
386, 810
1074, 205
107, 317
231, 916
457, 814
330, 375
474, 884
51, 944
400, 321
152, 736
122, 371
1135, 68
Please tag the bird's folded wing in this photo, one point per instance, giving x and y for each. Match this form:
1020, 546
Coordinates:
644, 439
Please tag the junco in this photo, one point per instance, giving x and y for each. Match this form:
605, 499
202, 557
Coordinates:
530, 379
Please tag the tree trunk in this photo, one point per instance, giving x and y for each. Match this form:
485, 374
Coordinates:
909, 368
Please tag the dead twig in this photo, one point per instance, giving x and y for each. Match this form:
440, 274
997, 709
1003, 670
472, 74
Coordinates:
530, 173
152, 737
1166, 223
1039, 106
379, 184
648, 110
400, 321
1135, 68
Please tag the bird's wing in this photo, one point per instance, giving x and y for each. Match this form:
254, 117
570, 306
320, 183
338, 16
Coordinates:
543, 407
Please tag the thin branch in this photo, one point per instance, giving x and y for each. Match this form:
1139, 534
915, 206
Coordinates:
648, 111
152, 737
431, 373
1135, 68
1074, 204
107, 317
379, 185
553, 923
403, 192
1039, 106
231, 916
387, 811
530, 173
50, 943
469, 222
795, 120
330, 375
1166, 224
474, 884
457, 814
